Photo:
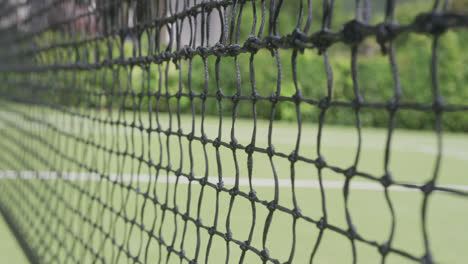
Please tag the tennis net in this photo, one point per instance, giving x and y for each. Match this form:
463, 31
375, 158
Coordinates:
146, 131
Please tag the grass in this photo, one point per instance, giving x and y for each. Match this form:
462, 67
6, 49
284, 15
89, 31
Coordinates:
412, 160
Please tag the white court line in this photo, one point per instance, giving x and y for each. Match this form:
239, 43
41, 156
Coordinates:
308, 184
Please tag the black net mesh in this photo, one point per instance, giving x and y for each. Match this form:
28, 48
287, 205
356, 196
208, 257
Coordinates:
144, 131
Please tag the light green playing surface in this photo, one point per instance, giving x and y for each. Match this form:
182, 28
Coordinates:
412, 158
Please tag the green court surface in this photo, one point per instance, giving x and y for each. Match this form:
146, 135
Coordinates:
412, 158
10, 250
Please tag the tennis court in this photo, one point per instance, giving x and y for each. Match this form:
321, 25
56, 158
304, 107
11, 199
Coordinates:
367, 205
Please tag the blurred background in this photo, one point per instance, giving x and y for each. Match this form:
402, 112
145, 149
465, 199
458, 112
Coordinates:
413, 53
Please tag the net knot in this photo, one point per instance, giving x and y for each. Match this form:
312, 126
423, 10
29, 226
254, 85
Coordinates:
233, 143
271, 43
385, 33
219, 48
211, 230
235, 98
234, 191
190, 136
180, 132
244, 245
297, 97
324, 103
270, 151
272, 206
293, 157
253, 44
431, 23
428, 187
203, 181
234, 49
187, 52
219, 95
274, 98
322, 223
353, 32
350, 172
352, 234
148, 60
252, 195
165, 55
320, 162
203, 51
228, 236
386, 180
250, 148
322, 40
204, 139
265, 254
216, 143
438, 105
185, 217
254, 96
169, 249
393, 104
219, 186
298, 39
357, 103
296, 213
191, 95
